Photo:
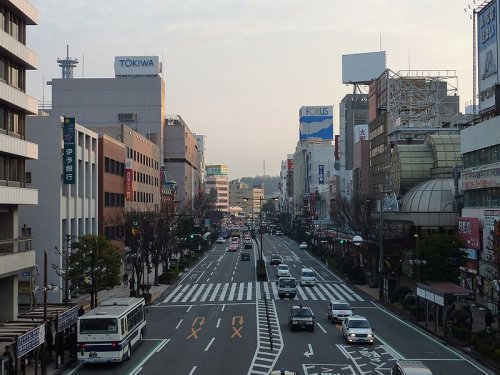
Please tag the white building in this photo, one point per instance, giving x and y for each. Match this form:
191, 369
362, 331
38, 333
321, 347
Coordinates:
217, 186
66, 209
16, 256
313, 165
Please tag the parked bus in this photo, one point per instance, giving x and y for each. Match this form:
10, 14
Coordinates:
109, 332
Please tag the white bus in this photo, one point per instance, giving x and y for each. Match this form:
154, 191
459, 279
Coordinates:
110, 331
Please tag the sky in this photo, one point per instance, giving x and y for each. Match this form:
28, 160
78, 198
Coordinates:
238, 71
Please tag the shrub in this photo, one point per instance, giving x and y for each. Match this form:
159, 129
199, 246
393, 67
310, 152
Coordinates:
461, 332
399, 294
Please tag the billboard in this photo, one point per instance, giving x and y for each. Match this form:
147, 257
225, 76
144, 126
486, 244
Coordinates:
130, 66
487, 48
468, 231
362, 67
316, 122
360, 133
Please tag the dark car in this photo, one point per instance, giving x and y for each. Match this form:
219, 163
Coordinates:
279, 233
301, 317
276, 259
245, 256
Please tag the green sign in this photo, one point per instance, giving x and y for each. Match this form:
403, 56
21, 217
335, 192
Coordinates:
69, 157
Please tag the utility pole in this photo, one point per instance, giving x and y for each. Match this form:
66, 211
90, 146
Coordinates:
381, 254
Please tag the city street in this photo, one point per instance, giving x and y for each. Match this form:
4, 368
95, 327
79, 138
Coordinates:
214, 321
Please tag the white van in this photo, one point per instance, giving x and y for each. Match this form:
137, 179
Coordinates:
287, 287
307, 277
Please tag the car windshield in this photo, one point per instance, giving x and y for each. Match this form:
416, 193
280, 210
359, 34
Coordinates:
358, 323
283, 267
307, 274
288, 283
341, 306
301, 313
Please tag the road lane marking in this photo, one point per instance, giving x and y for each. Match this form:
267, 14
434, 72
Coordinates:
181, 293
223, 293
321, 327
178, 324
416, 329
188, 294
236, 332
172, 293
218, 323
207, 291
209, 344
189, 308
194, 333
223, 307
241, 290
214, 294
198, 279
162, 346
249, 291
138, 368
197, 294
192, 370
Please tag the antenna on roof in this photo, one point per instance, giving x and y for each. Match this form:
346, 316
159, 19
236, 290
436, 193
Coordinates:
67, 65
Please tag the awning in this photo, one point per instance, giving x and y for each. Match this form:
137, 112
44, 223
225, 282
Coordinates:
439, 293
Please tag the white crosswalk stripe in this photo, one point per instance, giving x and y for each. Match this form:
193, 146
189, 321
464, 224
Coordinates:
249, 291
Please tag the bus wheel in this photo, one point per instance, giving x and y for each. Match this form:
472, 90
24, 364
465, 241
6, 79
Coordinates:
129, 353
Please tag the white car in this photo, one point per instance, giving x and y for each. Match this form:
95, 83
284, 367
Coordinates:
338, 310
303, 245
220, 240
307, 277
283, 271
356, 328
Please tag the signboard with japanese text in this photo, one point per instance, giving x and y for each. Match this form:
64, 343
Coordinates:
128, 180
360, 133
30, 340
67, 318
483, 179
69, 157
321, 173
468, 231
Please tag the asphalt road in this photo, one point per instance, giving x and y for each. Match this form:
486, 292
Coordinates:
215, 322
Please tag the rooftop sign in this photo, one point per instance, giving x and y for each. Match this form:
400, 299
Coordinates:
129, 66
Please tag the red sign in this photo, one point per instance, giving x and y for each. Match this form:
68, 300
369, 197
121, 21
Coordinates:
290, 165
468, 231
128, 184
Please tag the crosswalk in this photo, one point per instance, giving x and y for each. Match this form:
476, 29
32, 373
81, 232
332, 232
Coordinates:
250, 291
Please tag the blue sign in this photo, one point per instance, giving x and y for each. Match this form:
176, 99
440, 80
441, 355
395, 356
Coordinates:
321, 174
30, 340
67, 318
316, 122
69, 157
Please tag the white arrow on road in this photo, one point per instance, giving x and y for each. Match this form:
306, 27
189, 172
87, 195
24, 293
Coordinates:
310, 352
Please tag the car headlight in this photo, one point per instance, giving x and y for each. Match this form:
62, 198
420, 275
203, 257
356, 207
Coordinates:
369, 335
352, 335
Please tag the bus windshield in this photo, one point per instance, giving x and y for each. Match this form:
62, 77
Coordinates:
100, 325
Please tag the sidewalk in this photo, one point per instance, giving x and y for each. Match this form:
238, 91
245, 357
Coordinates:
157, 291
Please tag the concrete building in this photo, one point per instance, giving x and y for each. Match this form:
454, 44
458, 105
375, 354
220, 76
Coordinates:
286, 185
217, 186
353, 111
404, 108
313, 165
73, 206
16, 257
133, 97
246, 197
181, 160
481, 211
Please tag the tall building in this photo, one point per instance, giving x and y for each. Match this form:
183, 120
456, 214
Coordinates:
134, 97
16, 256
69, 191
181, 160
353, 111
217, 186
404, 108
249, 198
286, 185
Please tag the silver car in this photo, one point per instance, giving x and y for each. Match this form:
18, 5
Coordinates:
356, 328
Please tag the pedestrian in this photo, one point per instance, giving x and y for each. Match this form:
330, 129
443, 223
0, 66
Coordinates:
81, 311
125, 279
132, 286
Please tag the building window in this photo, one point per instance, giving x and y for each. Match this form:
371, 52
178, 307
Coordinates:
28, 177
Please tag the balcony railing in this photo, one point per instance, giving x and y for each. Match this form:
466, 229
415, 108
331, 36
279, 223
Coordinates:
15, 245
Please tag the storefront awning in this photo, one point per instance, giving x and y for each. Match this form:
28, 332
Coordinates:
440, 293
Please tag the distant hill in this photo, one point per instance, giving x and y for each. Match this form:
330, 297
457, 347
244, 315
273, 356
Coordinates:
271, 183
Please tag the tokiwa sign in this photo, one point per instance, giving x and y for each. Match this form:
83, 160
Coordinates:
481, 179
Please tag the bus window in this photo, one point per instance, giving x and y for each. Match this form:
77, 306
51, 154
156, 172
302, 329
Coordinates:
108, 325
